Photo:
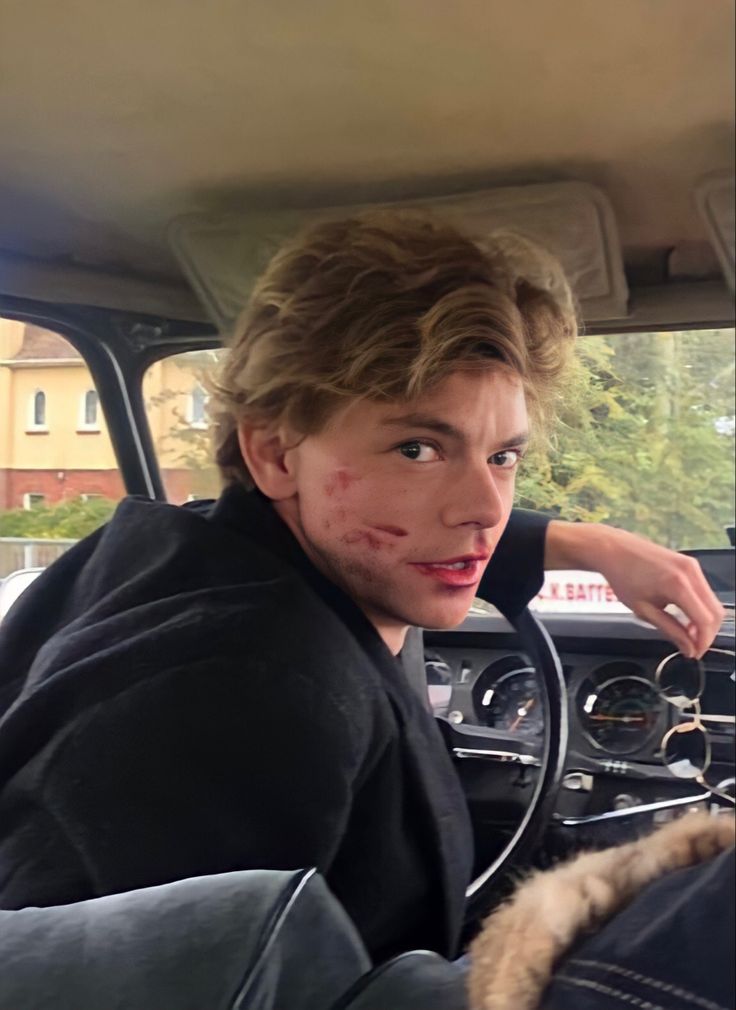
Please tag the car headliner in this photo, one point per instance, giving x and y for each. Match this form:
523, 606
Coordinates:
117, 118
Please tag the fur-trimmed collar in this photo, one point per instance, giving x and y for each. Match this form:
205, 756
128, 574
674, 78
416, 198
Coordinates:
514, 957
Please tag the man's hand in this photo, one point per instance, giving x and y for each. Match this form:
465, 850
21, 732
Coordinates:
644, 576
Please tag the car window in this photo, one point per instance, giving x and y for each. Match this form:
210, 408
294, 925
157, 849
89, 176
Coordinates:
646, 438
646, 441
59, 478
647, 444
176, 394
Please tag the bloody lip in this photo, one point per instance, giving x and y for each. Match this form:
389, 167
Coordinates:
461, 578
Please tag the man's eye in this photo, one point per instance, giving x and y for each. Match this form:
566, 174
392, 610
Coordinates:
420, 452
507, 459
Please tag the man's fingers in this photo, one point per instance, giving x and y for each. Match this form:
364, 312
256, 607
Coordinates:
691, 593
694, 635
669, 626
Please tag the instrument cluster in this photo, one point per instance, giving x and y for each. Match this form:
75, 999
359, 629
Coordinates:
615, 707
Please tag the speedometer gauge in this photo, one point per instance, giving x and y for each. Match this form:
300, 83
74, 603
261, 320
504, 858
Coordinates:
507, 697
620, 714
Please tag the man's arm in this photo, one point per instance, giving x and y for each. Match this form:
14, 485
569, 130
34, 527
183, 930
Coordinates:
645, 577
203, 768
515, 573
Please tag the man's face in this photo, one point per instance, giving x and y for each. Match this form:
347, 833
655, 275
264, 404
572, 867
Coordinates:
402, 504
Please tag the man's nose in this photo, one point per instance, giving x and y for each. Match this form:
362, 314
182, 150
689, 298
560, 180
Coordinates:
474, 499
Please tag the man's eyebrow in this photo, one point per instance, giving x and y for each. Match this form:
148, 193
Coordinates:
521, 439
427, 421
431, 423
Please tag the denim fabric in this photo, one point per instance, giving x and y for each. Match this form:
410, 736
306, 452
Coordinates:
671, 949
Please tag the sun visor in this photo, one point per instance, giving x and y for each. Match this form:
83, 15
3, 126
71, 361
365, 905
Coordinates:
222, 255
714, 197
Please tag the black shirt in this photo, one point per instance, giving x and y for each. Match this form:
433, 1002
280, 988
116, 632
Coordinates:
183, 693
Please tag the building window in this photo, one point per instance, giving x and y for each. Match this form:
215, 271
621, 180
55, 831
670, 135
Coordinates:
37, 412
90, 407
32, 500
89, 411
39, 409
197, 408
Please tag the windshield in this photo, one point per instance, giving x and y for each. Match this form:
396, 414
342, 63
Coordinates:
645, 442
645, 439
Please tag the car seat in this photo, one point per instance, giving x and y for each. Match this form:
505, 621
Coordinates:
246, 940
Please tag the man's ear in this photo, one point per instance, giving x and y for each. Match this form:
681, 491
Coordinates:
265, 452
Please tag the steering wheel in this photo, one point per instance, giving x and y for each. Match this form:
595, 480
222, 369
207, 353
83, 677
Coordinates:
481, 745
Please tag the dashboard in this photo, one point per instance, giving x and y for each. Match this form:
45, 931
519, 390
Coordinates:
479, 677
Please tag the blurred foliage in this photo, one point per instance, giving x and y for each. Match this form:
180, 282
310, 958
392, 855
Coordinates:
645, 440
70, 519
185, 445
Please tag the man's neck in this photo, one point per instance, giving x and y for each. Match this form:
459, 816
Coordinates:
393, 634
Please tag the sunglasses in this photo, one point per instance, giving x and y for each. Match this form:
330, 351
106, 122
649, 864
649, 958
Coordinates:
686, 749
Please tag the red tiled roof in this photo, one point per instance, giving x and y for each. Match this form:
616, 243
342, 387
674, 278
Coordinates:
44, 344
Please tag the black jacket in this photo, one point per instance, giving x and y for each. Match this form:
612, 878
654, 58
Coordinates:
182, 693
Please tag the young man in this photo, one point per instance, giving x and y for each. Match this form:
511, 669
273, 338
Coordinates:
188, 692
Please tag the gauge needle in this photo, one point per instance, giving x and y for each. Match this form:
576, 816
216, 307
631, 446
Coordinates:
523, 711
619, 718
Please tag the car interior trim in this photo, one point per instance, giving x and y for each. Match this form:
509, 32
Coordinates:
640, 808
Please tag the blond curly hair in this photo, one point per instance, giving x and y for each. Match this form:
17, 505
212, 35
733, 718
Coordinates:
384, 306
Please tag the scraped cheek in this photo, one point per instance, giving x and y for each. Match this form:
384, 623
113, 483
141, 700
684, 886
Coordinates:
370, 540
346, 516
339, 482
375, 537
393, 531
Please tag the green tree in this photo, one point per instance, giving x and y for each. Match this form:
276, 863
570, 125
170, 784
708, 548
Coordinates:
71, 519
646, 438
190, 446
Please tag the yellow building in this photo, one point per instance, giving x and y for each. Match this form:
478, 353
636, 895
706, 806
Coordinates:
54, 442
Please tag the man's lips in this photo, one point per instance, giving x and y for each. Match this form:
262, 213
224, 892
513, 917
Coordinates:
461, 559
461, 571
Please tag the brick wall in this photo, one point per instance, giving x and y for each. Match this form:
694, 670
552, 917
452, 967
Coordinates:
56, 485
